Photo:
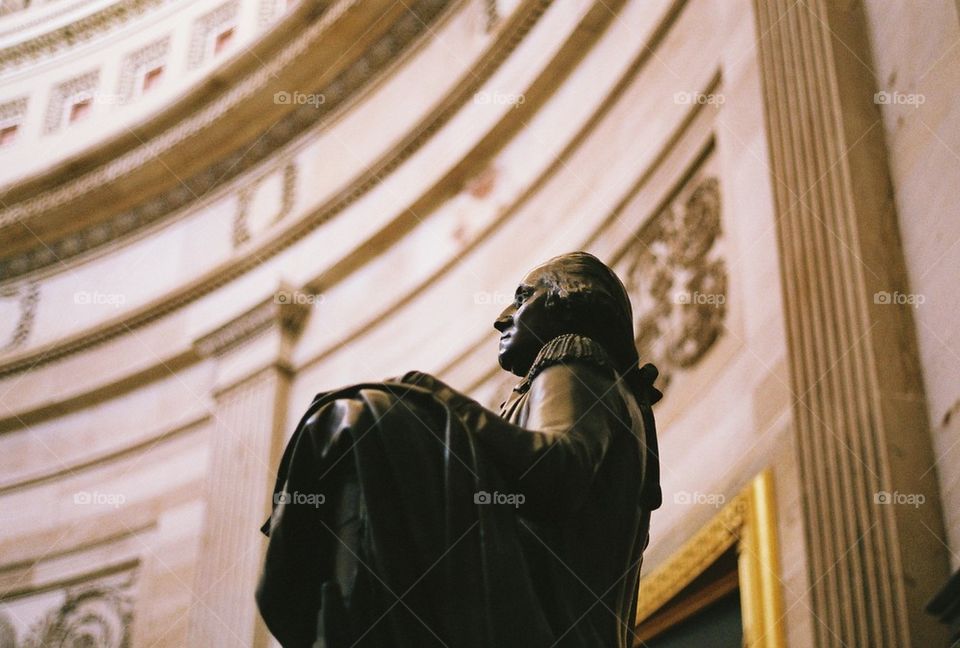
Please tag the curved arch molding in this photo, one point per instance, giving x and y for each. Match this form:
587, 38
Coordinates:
55, 219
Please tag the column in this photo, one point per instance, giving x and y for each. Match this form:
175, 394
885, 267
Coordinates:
252, 375
862, 437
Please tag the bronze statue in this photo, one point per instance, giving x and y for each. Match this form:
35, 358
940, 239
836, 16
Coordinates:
406, 514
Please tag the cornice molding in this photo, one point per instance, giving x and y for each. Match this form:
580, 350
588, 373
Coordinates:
75, 33
50, 205
14, 17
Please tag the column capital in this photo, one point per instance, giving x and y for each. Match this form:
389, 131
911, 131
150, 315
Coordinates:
260, 337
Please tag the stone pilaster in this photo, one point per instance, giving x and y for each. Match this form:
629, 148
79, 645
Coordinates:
250, 392
862, 435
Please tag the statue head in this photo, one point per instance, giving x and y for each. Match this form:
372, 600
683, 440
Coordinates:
571, 293
577, 293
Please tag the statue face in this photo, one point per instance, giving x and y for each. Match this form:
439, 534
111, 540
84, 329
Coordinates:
526, 325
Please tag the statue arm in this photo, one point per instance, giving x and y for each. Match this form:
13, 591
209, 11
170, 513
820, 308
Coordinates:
572, 413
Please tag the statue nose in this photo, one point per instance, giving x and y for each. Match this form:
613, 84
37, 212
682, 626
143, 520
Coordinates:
503, 322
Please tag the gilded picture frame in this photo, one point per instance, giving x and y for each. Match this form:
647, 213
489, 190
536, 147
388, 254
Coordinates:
747, 524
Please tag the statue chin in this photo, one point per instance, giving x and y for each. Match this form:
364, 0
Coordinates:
504, 361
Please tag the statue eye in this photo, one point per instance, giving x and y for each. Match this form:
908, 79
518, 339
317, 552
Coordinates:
521, 295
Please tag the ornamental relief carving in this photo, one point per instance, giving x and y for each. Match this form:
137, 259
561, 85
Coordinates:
136, 62
97, 617
94, 614
243, 229
13, 111
205, 26
492, 14
81, 86
677, 280
28, 296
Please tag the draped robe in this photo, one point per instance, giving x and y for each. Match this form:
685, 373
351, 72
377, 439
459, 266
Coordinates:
469, 529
